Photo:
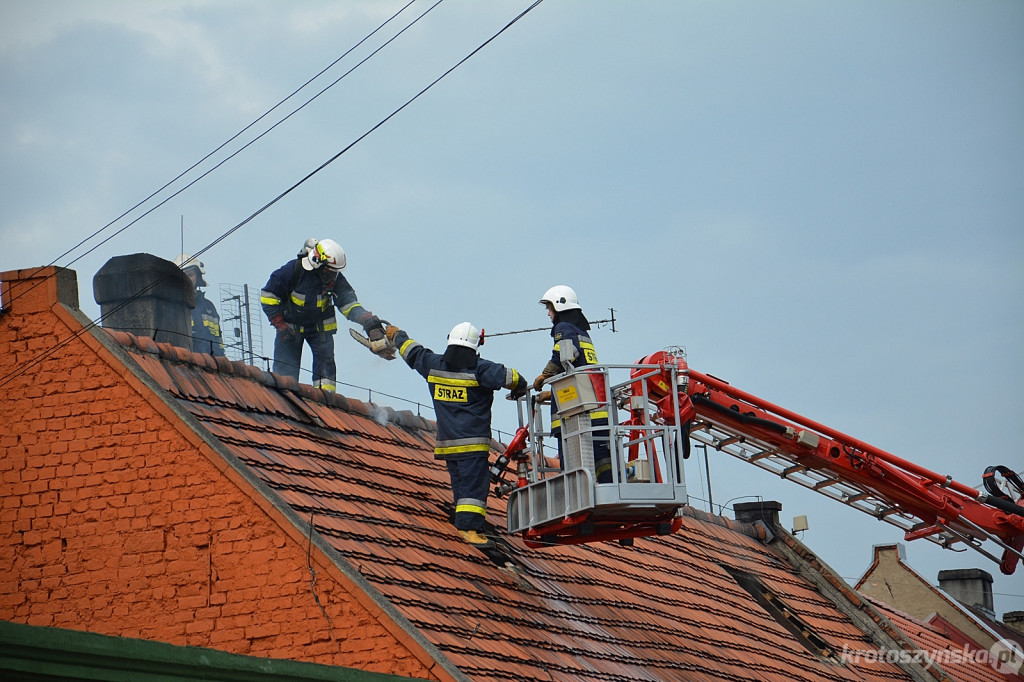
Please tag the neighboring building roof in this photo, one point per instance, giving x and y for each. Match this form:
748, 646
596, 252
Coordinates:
711, 602
953, 650
892, 581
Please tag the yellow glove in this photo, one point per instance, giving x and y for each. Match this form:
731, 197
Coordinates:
390, 332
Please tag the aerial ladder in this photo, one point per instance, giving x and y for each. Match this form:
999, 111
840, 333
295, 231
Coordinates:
658, 405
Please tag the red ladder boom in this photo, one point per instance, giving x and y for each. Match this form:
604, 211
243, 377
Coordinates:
922, 503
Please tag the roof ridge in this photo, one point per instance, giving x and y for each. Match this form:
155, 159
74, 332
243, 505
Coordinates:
753, 530
222, 365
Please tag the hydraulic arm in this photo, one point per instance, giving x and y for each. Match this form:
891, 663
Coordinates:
921, 502
663, 405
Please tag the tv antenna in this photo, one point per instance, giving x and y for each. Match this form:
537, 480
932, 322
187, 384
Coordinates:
593, 323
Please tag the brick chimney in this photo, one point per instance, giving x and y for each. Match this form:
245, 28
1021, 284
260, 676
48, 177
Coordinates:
766, 511
146, 296
969, 586
34, 290
1014, 620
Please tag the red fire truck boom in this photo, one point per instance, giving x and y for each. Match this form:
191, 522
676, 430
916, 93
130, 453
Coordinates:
662, 394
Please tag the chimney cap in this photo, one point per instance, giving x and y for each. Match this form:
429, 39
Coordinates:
763, 510
965, 574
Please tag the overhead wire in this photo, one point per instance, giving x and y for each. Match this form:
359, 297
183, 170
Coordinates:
229, 141
94, 323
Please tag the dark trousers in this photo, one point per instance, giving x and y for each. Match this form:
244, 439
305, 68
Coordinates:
288, 358
470, 483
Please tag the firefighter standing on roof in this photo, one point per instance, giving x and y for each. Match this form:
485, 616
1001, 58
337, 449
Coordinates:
206, 336
462, 385
569, 323
299, 300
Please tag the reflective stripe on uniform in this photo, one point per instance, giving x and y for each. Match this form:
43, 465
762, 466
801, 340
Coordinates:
452, 378
471, 506
511, 378
589, 354
451, 387
347, 310
406, 346
462, 445
600, 414
269, 298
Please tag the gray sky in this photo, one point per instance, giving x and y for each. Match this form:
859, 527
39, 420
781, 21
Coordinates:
821, 201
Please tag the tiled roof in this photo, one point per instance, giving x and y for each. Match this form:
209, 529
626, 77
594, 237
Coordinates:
964, 663
666, 608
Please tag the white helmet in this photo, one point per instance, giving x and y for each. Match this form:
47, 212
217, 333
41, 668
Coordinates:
326, 252
187, 261
561, 298
464, 334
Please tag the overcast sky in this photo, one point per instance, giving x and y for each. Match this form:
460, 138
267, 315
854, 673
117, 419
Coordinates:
823, 202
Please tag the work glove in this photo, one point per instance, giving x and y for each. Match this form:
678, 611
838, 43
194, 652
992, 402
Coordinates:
390, 332
288, 333
370, 323
285, 332
538, 383
544, 397
518, 392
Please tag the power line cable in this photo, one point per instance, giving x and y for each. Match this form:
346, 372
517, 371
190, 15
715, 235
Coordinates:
94, 323
227, 142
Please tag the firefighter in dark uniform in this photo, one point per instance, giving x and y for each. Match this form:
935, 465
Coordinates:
569, 322
462, 385
299, 300
206, 336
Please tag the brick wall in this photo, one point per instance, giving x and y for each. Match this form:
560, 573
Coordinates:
116, 520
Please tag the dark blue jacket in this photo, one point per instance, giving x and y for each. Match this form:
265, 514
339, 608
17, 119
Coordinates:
206, 335
462, 398
585, 355
304, 301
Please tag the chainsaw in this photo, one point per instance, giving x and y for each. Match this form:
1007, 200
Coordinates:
383, 347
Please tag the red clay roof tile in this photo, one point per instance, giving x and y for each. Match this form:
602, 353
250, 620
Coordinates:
664, 609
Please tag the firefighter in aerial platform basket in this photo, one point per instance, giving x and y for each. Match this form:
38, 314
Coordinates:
462, 385
299, 300
569, 323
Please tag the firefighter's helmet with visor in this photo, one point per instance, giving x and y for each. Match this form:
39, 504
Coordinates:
560, 297
326, 252
186, 262
464, 334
